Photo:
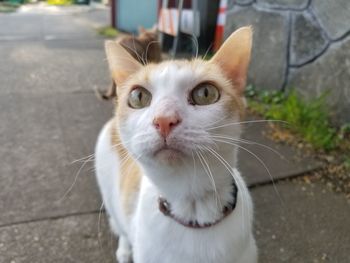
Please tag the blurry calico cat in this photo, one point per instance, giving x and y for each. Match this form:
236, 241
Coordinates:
144, 48
166, 165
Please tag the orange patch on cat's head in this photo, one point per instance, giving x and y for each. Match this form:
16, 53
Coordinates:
227, 70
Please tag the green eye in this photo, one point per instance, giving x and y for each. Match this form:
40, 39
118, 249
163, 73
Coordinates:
205, 94
139, 98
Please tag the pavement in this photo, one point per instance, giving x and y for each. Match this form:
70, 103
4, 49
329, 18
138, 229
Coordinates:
50, 63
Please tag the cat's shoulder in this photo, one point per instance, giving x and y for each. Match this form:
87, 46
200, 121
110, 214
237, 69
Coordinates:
130, 173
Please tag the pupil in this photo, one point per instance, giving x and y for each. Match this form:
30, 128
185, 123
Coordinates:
206, 92
139, 96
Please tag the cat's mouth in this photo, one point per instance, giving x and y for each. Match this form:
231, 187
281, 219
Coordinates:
168, 153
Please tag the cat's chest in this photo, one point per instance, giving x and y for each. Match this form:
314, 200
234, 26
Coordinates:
171, 242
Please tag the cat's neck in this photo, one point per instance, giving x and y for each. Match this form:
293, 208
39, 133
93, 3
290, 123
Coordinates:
191, 189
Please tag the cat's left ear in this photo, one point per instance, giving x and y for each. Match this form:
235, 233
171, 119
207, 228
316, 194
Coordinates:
141, 30
234, 57
121, 63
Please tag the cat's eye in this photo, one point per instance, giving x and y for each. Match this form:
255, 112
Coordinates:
139, 98
204, 94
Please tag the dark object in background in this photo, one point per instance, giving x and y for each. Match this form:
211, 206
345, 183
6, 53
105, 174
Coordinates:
208, 10
82, 2
145, 48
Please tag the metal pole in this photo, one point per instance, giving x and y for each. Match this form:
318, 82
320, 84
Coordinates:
195, 44
176, 39
161, 35
113, 13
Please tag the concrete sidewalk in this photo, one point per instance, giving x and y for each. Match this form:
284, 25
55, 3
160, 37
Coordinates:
50, 117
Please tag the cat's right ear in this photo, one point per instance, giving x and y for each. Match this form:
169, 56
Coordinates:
121, 63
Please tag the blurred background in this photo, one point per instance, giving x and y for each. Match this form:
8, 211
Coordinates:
54, 76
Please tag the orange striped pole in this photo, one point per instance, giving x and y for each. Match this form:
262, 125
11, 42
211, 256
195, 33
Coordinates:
220, 25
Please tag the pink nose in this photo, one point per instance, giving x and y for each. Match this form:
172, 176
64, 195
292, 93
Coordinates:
165, 124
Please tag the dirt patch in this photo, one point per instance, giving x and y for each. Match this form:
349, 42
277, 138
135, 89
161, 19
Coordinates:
335, 171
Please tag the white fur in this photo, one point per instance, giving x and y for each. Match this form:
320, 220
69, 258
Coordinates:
185, 183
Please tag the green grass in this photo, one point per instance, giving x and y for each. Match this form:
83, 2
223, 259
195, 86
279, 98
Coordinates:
347, 162
107, 31
308, 117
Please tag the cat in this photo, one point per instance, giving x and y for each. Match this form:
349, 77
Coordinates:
145, 48
166, 164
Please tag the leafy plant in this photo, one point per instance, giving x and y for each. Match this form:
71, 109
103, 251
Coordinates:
309, 117
344, 131
347, 162
107, 31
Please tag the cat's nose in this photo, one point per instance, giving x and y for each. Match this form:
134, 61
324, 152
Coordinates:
165, 124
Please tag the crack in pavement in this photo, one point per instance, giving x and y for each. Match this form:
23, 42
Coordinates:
50, 218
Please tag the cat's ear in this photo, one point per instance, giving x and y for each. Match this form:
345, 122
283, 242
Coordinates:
141, 30
234, 57
121, 63
154, 28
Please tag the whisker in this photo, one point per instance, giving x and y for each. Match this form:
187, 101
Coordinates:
249, 142
130, 167
196, 44
75, 180
207, 51
99, 227
148, 45
87, 159
194, 168
82, 159
214, 122
210, 175
260, 161
246, 122
236, 178
124, 156
140, 57
135, 51
93, 154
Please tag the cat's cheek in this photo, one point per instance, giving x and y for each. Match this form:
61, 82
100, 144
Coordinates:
123, 115
235, 107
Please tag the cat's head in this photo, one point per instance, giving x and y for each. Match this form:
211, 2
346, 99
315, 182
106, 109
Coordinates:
171, 111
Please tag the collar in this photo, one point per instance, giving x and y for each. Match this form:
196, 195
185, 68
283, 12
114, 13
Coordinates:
165, 207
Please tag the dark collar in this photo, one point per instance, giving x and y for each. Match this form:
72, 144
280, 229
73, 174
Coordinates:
165, 207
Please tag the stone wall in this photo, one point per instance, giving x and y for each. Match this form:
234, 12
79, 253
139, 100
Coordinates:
301, 44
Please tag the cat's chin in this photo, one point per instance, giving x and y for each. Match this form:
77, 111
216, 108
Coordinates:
168, 155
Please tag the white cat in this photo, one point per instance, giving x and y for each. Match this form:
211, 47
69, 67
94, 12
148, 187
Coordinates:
165, 164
